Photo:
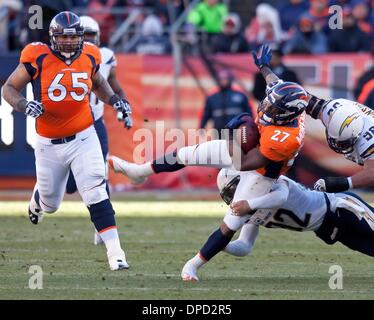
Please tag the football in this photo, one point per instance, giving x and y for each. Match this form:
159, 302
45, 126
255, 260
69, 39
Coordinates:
247, 134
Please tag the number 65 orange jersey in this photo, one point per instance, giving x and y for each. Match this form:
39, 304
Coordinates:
63, 89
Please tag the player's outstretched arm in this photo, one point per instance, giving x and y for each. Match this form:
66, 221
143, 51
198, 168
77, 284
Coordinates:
362, 179
262, 60
274, 199
12, 88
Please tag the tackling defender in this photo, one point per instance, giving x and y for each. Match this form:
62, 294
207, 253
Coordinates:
349, 131
62, 76
334, 217
281, 128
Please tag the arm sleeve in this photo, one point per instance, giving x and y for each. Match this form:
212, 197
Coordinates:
275, 199
259, 87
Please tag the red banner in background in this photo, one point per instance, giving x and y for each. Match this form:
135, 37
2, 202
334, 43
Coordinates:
149, 85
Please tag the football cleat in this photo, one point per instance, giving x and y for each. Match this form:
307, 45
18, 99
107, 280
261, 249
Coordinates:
35, 215
189, 272
35, 212
117, 261
130, 170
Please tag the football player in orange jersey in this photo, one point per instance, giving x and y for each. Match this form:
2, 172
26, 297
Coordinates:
281, 126
62, 76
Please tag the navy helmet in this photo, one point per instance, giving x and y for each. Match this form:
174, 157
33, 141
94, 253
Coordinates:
67, 25
284, 101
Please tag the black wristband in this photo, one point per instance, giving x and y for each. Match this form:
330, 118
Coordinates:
114, 99
336, 184
314, 106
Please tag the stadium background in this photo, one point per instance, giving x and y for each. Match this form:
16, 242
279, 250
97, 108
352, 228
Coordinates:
164, 222
169, 87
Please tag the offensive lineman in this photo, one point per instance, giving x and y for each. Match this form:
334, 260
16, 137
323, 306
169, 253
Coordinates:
107, 69
63, 75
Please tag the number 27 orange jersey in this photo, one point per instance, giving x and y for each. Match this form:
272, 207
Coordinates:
281, 144
62, 88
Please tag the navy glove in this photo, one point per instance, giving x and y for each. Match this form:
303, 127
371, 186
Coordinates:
34, 109
263, 56
235, 123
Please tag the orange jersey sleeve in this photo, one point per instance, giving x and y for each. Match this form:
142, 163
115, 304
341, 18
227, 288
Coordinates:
93, 52
29, 57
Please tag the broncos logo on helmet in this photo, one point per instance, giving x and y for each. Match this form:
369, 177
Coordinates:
284, 102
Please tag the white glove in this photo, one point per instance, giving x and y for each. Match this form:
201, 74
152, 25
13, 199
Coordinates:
34, 109
320, 185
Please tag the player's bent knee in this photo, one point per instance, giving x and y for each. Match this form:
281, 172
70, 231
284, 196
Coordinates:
234, 223
95, 194
244, 249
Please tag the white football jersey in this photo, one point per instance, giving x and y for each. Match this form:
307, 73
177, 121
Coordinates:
108, 61
303, 210
364, 147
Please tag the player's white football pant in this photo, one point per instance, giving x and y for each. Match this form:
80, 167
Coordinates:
53, 163
130, 170
117, 260
189, 272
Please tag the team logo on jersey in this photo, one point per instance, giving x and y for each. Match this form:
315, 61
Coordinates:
367, 152
348, 121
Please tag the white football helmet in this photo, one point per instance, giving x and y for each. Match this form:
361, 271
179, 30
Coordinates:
91, 30
344, 128
227, 181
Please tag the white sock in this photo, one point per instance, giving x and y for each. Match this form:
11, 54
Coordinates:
197, 261
145, 169
245, 242
111, 240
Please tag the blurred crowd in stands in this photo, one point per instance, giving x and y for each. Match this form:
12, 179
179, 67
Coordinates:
297, 26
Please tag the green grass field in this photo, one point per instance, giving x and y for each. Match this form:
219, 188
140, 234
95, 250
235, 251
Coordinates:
158, 238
